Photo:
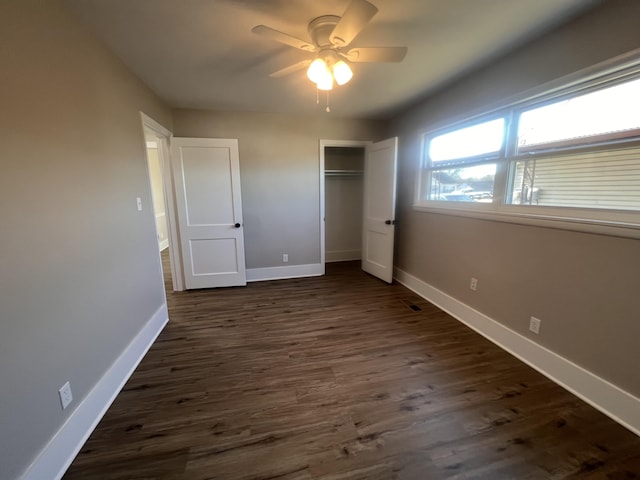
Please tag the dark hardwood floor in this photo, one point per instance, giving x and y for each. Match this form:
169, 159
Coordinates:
341, 377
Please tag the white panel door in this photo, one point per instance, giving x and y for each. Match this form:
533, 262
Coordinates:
378, 230
207, 181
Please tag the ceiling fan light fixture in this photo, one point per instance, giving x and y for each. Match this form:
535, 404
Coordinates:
342, 72
330, 40
317, 70
326, 81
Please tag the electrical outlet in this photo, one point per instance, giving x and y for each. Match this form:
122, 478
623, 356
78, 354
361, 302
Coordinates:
285, 257
474, 284
139, 203
534, 325
65, 395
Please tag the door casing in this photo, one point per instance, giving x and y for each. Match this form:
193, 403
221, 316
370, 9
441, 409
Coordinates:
164, 138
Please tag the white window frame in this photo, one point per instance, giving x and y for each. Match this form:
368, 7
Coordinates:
623, 223
426, 167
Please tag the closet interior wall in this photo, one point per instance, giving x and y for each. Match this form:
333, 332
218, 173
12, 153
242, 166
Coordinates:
344, 170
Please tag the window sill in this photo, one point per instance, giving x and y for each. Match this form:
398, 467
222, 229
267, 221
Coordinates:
616, 223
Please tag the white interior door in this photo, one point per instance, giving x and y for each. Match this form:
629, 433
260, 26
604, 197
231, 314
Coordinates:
378, 228
207, 182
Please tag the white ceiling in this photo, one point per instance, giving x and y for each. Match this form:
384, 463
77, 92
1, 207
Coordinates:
202, 54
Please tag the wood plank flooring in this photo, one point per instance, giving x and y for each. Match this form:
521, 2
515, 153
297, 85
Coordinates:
341, 377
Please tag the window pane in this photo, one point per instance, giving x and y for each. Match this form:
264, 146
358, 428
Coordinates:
468, 184
479, 139
607, 179
604, 115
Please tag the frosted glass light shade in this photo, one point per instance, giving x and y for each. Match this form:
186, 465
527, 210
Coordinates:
316, 70
342, 72
326, 81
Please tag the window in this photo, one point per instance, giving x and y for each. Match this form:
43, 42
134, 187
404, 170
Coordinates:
608, 178
564, 156
601, 116
479, 139
461, 164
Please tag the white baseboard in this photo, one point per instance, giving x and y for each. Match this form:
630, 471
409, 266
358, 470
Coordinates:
611, 400
279, 273
342, 255
56, 457
164, 244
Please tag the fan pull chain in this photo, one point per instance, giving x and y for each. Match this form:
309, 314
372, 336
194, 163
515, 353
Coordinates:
328, 107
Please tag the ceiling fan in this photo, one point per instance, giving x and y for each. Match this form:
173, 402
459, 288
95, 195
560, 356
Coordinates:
331, 37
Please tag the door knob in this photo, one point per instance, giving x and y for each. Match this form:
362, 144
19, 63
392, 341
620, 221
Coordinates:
237, 225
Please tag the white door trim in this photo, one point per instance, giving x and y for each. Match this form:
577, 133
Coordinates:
170, 204
323, 144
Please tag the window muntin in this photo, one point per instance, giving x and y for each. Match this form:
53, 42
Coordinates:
476, 140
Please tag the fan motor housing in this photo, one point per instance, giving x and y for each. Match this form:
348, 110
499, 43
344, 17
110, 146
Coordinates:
320, 29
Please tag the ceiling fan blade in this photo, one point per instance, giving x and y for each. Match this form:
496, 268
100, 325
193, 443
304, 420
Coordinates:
278, 36
376, 54
354, 19
291, 69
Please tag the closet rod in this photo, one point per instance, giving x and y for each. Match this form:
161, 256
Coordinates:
343, 173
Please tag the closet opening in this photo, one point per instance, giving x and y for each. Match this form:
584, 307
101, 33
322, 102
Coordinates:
343, 179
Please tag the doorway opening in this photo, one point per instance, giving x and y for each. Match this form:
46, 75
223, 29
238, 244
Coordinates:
342, 197
157, 191
160, 182
344, 190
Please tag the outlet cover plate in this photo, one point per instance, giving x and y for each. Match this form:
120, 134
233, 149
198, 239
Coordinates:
65, 395
534, 325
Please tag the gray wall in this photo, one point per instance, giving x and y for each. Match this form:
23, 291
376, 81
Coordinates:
280, 175
79, 265
584, 287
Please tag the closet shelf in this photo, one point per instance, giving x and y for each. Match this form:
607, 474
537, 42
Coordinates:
343, 173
